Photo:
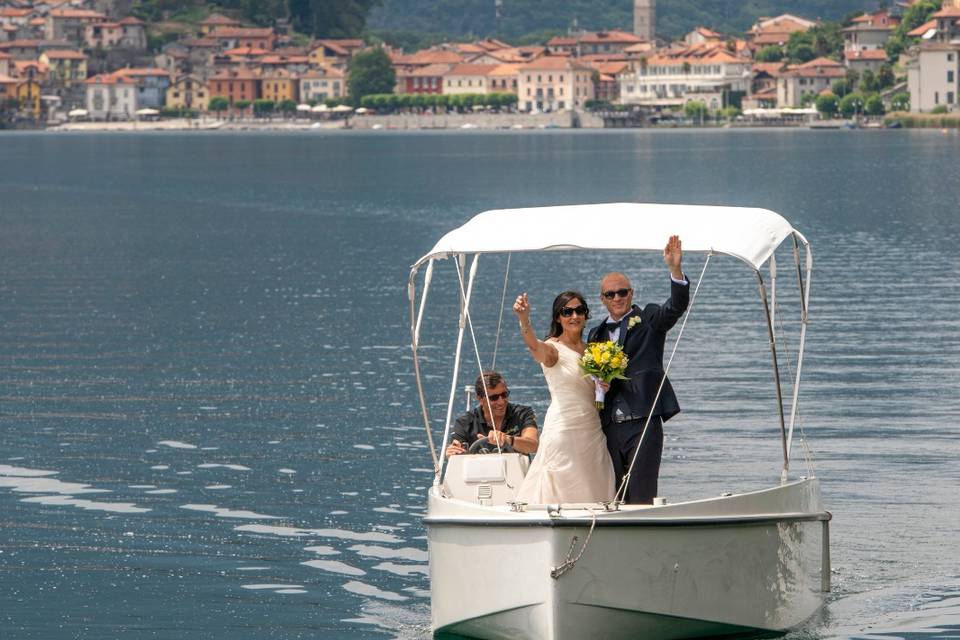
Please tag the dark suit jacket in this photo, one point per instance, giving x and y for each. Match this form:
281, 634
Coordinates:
644, 345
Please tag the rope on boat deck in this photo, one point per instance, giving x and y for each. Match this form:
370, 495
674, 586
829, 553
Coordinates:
569, 562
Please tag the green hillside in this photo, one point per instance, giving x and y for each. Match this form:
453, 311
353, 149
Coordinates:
522, 17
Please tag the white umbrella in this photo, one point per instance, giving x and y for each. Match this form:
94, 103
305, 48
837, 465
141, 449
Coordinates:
304, 107
146, 111
77, 113
363, 110
342, 108
320, 108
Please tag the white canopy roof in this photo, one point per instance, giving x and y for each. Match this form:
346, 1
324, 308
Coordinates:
749, 234
147, 111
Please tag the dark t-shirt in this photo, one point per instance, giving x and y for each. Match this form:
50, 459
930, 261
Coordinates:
471, 424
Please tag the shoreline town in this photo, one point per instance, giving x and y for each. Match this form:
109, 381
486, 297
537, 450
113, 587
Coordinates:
74, 65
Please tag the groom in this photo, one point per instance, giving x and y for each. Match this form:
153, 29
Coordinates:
628, 403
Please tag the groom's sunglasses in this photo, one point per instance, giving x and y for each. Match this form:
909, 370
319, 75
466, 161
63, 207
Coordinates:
622, 293
493, 397
582, 311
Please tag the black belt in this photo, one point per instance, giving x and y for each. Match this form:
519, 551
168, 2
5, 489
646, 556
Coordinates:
629, 418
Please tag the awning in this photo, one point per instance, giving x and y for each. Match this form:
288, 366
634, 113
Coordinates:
320, 108
146, 111
748, 234
343, 108
304, 107
77, 113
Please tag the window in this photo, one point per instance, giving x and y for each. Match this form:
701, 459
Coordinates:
550, 78
949, 57
949, 97
950, 76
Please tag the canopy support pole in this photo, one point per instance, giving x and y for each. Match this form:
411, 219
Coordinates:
414, 344
804, 321
776, 375
464, 305
503, 298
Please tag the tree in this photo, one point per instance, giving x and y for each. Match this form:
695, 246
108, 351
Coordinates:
241, 104
371, 72
851, 105
913, 17
695, 110
827, 105
263, 107
885, 77
287, 107
868, 82
218, 104
874, 105
770, 53
900, 101
840, 88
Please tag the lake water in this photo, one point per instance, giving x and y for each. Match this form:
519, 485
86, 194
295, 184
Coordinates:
208, 425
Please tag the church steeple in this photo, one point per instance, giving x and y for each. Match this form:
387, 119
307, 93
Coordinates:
645, 18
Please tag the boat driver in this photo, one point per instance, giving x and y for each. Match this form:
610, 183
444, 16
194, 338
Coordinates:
512, 426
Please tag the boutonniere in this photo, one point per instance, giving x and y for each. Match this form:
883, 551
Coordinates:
633, 321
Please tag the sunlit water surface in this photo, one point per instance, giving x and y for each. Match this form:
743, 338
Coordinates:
208, 425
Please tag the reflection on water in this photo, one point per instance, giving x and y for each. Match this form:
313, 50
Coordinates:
209, 425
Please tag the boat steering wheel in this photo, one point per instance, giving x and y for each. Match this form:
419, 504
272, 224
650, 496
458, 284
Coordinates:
482, 445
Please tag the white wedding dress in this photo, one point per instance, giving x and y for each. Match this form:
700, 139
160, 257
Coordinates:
572, 463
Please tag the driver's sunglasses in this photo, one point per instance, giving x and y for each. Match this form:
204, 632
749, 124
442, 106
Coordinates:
493, 397
581, 310
621, 293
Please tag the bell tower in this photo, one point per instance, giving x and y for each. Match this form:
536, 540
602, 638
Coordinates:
645, 18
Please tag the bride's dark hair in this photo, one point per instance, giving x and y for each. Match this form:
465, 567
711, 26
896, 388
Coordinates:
559, 303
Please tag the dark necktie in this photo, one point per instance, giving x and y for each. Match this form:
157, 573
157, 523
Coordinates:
611, 327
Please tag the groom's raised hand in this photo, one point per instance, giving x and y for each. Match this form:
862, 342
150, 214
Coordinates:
673, 257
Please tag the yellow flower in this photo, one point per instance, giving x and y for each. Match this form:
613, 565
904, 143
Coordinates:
605, 357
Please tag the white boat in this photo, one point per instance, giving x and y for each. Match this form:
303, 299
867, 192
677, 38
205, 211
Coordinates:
755, 562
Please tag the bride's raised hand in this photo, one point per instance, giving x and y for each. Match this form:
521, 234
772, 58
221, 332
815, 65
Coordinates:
522, 307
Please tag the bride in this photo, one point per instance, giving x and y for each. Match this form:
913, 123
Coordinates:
572, 464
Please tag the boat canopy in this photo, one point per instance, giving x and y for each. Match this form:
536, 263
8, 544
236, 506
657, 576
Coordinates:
750, 234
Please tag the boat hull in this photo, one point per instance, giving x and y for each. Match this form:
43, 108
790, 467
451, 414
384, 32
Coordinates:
719, 567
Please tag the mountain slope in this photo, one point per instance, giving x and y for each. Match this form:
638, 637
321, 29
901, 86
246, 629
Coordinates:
674, 17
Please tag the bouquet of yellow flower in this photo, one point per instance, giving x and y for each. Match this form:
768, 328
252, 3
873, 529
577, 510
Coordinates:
604, 362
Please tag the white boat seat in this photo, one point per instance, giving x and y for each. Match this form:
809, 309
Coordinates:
490, 479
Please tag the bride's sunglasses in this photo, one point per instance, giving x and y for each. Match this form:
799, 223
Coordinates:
582, 311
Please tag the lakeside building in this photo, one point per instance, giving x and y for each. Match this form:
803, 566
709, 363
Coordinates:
334, 53
426, 80
592, 42
66, 67
67, 23
129, 33
869, 32
188, 92
322, 84
217, 21
243, 37
801, 83
467, 78
554, 83
235, 84
705, 72
6, 61
151, 84
279, 85
111, 97
504, 78
933, 67
775, 31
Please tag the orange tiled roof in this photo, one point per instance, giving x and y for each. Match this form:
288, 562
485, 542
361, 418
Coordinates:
429, 70
14, 12
427, 56
241, 32
878, 55
598, 37
770, 68
108, 78
471, 69
246, 51
922, 29
77, 13
502, 70
141, 72
235, 74
65, 54
215, 19
131, 20
555, 63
